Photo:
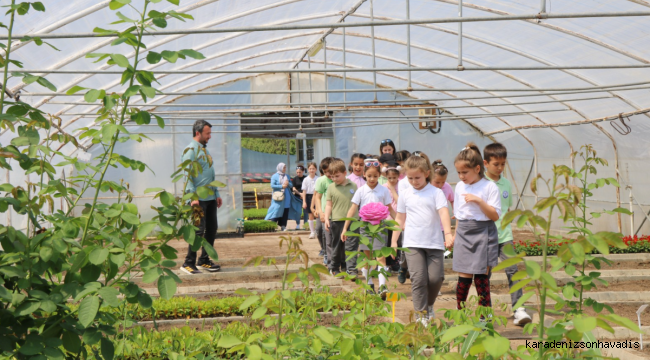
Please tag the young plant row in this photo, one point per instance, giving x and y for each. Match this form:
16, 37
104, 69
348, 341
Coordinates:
189, 307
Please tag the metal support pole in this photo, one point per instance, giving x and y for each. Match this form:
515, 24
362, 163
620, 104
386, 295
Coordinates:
372, 36
460, 36
304, 152
288, 157
542, 9
632, 211
311, 95
408, 43
345, 76
327, 95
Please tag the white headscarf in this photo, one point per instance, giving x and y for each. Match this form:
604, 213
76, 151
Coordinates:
280, 169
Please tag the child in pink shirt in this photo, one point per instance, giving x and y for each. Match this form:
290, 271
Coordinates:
357, 165
439, 180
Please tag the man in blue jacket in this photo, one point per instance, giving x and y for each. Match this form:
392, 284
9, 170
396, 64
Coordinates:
197, 151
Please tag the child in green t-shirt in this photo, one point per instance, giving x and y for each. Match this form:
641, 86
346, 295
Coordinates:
318, 206
494, 157
339, 201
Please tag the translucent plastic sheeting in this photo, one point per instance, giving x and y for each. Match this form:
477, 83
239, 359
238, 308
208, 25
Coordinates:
550, 42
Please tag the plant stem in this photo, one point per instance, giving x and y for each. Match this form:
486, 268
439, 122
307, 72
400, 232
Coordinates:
284, 282
542, 299
7, 54
117, 133
584, 226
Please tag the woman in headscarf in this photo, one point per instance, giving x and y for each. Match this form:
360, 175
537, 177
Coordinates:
289, 207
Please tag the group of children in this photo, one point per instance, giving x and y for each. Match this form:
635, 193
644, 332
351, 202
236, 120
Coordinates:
417, 196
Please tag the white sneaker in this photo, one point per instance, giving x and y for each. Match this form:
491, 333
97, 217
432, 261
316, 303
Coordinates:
431, 313
521, 317
439, 293
422, 319
312, 236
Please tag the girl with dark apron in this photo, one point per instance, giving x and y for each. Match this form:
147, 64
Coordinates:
477, 206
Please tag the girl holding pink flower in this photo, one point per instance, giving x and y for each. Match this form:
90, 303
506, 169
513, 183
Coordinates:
374, 201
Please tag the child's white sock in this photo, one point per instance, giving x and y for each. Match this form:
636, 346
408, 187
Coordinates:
311, 225
382, 279
370, 281
364, 271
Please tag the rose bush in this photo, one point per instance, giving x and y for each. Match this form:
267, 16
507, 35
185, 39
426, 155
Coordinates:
374, 213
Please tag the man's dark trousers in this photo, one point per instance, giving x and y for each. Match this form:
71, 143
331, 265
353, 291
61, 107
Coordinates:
207, 230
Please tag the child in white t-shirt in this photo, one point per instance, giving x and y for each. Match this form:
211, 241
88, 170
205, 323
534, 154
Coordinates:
477, 205
421, 209
371, 192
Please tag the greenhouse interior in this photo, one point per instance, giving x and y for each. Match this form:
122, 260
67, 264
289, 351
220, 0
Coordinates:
99, 104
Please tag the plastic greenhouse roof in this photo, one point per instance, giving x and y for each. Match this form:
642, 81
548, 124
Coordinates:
559, 42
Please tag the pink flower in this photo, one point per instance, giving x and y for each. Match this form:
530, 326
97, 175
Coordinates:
374, 213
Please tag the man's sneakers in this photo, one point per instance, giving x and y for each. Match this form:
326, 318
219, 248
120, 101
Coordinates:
325, 259
190, 269
521, 317
401, 275
210, 266
322, 253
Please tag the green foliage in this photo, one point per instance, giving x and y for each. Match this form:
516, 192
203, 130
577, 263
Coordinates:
255, 214
259, 226
269, 146
189, 307
572, 257
88, 258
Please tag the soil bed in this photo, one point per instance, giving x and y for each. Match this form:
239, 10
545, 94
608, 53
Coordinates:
613, 286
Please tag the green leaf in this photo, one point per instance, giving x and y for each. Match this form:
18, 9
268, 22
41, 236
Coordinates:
150, 190
46, 253
523, 299
507, 263
455, 332
166, 198
88, 310
161, 121
46, 83
212, 253
170, 56
324, 335
248, 302
259, 312
151, 275
124, 18
146, 228
228, 341
130, 218
108, 350
38, 6
166, 287
92, 95
153, 57
192, 53
533, 269
27, 308
148, 91
98, 256
132, 90
584, 324
109, 295
496, 346
75, 89
218, 184
160, 22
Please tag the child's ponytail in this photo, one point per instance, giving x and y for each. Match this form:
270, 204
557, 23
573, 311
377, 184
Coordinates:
439, 168
471, 156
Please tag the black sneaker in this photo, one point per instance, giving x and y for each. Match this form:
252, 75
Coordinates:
401, 276
372, 290
321, 253
210, 266
383, 292
190, 269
